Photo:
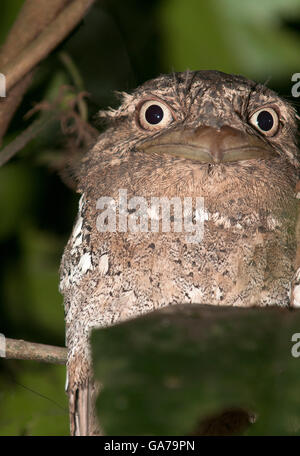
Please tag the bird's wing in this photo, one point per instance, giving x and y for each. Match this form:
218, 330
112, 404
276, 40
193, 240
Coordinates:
295, 286
83, 420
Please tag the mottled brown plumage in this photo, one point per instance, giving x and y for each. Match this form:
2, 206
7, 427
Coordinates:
248, 253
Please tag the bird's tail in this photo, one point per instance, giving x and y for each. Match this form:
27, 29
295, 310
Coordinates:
83, 419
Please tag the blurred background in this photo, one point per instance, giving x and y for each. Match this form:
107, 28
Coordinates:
118, 46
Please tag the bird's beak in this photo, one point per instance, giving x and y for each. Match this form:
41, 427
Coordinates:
209, 145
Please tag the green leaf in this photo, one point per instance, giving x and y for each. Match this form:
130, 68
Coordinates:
246, 37
36, 298
9, 11
33, 401
18, 185
165, 372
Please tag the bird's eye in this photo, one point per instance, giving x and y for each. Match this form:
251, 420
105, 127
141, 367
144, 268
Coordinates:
154, 115
266, 121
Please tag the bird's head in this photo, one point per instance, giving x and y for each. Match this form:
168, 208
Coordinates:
193, 130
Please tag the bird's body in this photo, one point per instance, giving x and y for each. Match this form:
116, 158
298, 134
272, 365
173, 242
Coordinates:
247, 255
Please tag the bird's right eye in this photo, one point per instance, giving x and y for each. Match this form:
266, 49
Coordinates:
266, 121
154, 115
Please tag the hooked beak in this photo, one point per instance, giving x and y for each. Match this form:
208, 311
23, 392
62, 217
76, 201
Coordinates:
209, 145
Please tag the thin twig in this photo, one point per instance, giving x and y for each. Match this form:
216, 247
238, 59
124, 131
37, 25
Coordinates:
20, 349
25, 137
77, 81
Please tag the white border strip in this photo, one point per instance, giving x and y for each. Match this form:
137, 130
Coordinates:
2, 346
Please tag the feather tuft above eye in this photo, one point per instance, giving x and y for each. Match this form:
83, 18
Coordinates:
127, 106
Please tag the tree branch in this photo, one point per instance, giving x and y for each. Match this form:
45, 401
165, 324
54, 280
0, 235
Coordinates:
20, 349
25, 37
38, 49
33, 17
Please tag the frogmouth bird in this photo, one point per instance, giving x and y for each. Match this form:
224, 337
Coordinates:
218, 139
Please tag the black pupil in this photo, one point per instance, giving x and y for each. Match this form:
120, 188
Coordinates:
154, 114
265, 120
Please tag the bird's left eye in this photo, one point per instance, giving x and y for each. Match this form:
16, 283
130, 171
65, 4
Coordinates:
154, 115
266, 121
